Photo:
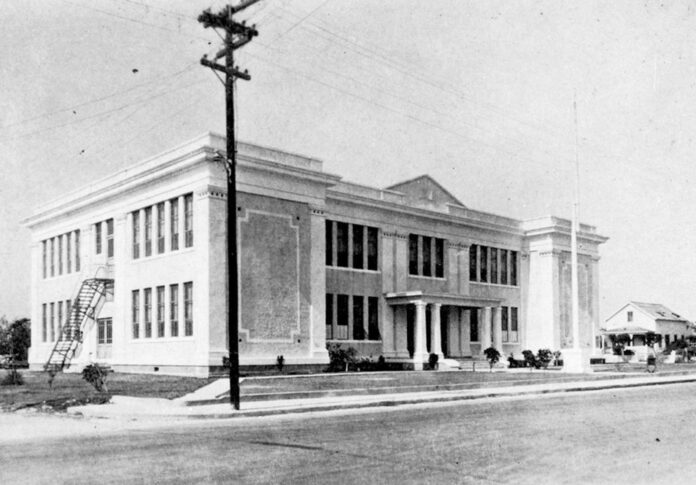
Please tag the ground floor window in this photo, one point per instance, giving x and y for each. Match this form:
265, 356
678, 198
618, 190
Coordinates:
474, 325
104, 331
353, 317
509, 323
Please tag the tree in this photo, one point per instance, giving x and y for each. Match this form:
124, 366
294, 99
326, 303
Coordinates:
492, 355
15, 338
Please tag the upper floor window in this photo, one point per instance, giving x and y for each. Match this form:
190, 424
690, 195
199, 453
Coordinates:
98, 238
351, 245
492, 265
136, 234
629, 316
110, 238
188, 220
68, 252
77, 250
160, 228
148, 231
426, 256
45, 254
174, 224
60, 255
53, 256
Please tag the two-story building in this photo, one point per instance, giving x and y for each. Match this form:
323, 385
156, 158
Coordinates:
399, 272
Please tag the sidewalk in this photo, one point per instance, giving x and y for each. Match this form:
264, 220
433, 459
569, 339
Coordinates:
124, 407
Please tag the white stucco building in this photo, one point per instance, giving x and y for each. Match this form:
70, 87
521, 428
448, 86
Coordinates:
400, 272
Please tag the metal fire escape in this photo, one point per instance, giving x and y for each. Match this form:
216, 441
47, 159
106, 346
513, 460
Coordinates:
84, 307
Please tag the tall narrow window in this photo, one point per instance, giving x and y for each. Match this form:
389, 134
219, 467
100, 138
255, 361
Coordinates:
59, 322
110, 238
174, 310
513, 268
53, 256
44, 252
135, 313
483, 264
372, 248
60, 255
373, 318
504, 323
504, 266
188, 309
68, 309
148, 231
77, 250
342, 244
160, 228
136, 234
329, 243
427, 256
329, 316
494, 265
52, 326
513, 325
68, 253
44, 324
358, 320
629, 316
439, 258
98, 238
412, 254
358, 249
160, 311
188, 219
342, 317
473, 325
104, 331
473, 262
148, 312
174, 221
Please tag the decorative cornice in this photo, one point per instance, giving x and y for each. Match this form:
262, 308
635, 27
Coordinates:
394, 235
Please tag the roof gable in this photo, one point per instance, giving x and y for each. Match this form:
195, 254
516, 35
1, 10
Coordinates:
424, 191
656, 311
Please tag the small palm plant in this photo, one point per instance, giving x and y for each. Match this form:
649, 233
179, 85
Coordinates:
492, 355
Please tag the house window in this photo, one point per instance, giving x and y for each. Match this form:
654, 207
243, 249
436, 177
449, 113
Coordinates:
136, 234
358, 320
329, 316
148, 312
412, 254
98, 238
77, 250
60, 255
514, 329
430, 252
188, 309
174, 310
426, 245
188, 219
373, 318
68, 253
473, 325
160, 311
104, 331
513, 268
53, 251
68, 308
342, 317
504, 324
44, 324
342, 244
110, 238
483, 264
494, 265
148, 231
174, 221
629, 316
473, 259
160, 228
135, 313
52, 326
357, 246
329, 243
439, 257
44, 252
503, 267
372, 248
59, 322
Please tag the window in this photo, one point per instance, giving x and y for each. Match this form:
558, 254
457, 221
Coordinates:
629, 316
44, 324
372, 248
357, 246
135, 313
513, 325
60, 255
98, 238
494, 265
110, 238
148, 231
342, 317
503, 267
188, 219
160, 228
52, 326
342, 244
59, 322
148, 312
136, 235
513, 268
160, 311
504, 324
68, 308
53, 250
427, 256
483, 264
68, 253
358, 324
188, 309
373, 318
329, 316
174, 310
77, 250
174, 221
412, 254
439, 258
473, 259
329, 243
473, 325
45, 254
104, 331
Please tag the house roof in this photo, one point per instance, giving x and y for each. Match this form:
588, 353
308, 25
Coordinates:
659, 312
631, 330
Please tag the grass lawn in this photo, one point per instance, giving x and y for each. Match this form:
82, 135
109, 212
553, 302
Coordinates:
71, 389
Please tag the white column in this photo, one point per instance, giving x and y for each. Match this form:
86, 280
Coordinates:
485, 336
419, 353
435, 331
498, 329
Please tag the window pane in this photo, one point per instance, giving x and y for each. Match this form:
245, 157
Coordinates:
174, 310
68, 253
373, 317
504, 323
413, 254
494, 265
329, 316
53, 251
329, 243
358, 321
473, 260
98, 238
77, 250
188, 309
135, 313
44, 324
60, 255
342, 244
136, 235
160, 311
342, 317
513, 268
148, 312
357, 246
483, 263
503, 267
148, 231
427, 256
439, 257
372, 248
110, 238
160, 227
44, 252
174, 221
188, 220
473, 325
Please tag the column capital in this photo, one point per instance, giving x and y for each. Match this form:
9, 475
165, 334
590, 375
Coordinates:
419, 303
436, 305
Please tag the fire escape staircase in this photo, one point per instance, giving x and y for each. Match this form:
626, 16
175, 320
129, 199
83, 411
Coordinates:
83, 309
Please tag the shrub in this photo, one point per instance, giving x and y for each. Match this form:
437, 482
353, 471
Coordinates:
492, 355
544, 356
280, 363
340, 359
13, 378
432, 361
96, 375
530, 360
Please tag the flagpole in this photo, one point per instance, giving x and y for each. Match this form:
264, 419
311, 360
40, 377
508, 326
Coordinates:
574, 238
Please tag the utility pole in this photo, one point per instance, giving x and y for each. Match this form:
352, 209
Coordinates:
236, 35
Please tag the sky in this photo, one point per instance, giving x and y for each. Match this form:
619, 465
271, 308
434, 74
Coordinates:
478, 94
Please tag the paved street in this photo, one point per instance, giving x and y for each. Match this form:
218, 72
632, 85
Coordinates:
641, 435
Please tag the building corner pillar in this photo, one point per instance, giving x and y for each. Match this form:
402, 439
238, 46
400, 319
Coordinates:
419, 352
435, 330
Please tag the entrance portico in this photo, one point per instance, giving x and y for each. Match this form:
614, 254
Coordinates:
418, 316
